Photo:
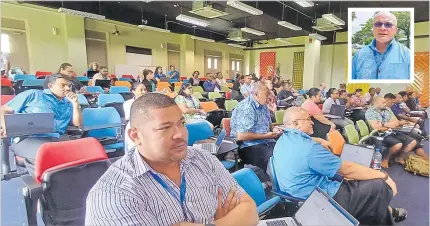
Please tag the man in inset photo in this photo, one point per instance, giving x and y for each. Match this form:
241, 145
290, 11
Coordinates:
384, 57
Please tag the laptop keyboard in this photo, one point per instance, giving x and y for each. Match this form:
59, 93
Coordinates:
277, 223
210, 147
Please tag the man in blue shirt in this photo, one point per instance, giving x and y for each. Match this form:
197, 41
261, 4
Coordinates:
210, 85
301, 164
250, 124
173, 74
384, 58
51, 100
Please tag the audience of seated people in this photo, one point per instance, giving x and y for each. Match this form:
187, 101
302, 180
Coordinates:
302, 164
173, 73
332, 98
190, 105
158, 74
66, 69
93, 68
194, 80
357, 100
246, 88
164, 182
406, 105
57, 99
393, 101
210, 85
368, 97
235, 90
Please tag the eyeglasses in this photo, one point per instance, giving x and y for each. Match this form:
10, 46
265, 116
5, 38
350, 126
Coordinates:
386, 25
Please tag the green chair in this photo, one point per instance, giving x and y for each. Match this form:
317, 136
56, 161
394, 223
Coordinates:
352, 134
198, 89
225, 89
279, 115
214, 95
230, 104
198, 95
177, 89
364, 131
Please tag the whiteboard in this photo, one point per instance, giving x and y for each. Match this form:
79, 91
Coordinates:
138, 59
135, 70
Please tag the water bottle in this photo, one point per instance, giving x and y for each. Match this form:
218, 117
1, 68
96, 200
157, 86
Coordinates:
377, 159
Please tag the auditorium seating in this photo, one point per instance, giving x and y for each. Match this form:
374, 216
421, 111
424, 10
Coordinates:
119, 89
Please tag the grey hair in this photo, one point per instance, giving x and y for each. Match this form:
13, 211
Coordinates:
386, 13
258, 87
52, 78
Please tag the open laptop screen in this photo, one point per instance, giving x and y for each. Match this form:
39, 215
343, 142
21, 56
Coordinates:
357, 154
220, 138
320, 209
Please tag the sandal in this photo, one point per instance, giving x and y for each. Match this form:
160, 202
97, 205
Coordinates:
399, 214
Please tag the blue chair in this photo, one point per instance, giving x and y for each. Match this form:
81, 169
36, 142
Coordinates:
198, 131
94, 89
249, 181
103, 116
301, 92
104, 99
83, 78
24, 77
33, 84
125, 79
119, 89
83, 101
186, 81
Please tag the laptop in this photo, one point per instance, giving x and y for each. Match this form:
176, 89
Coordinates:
407, 129
336, 111
212, 147
90, 74
358, 154
103, 83
23, 124
164, 79
318, 209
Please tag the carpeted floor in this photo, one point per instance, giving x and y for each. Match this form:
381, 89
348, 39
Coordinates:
413, 195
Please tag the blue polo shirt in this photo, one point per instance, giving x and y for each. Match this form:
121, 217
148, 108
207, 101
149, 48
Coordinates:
251, 116
209, 86
159, 76
394, 63
397, 110
301, 164
175, 76
44, 101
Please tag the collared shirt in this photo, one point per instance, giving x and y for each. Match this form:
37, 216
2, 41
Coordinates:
127, 193
284, 94
382, 116
173, 74
246, 89
75, 84
311, 107
250, 116
394, 63
159, 76
191, 102
355, 101
368, 98
44, 101
99, 76
328, 103
397, 110
210, 86
302, 168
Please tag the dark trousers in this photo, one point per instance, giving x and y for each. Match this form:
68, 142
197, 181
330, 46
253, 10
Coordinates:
28, 147
366, 200
257, 155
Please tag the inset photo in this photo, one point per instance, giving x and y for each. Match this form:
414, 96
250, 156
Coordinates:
380, 45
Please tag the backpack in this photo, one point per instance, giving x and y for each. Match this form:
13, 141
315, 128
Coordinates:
417, 165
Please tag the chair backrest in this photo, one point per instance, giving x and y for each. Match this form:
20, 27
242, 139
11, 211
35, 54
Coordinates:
6, 98
226, 125
228, 95
198, 89
213, 95
225, 89
178, 84
351, 134
101, 116
231, 104
198, 95
125, 79
279, 116
23, 77
119, 89
33, 82
162, 85
94, 89
183, 78
249, 181
198, 131
363, 128
128, 76
6, 82
209, 106
42, 73
83, 101
123, 83
336, 141
83, 78
104, 99
7, 90
112, 76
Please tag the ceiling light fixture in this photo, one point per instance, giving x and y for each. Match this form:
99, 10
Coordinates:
81, 14
252, 31
236, 45
317, 36
305, 3
244, 7
284, 41
202, 39
289, 25
192, 20
153, 28
334, 19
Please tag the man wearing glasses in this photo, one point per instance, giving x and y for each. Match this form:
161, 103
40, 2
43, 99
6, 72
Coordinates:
384, 57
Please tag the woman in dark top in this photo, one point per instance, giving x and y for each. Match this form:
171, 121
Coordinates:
194, 80
412, 105
148, 80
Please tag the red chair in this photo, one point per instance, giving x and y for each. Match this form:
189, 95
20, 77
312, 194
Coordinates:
6, 98
42, 74
128, 76
183, 78
112, 76
6, 82
203, 79
225, 124
228, 95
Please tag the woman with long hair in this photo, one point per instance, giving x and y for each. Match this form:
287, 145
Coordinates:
190, 105
137, 90
333, 98
159, 73
195, 80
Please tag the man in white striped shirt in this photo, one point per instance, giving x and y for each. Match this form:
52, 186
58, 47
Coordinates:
164, 182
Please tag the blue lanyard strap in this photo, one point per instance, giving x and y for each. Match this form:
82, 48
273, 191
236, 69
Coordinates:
182, 189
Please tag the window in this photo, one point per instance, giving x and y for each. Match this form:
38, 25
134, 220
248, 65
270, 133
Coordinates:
232, 65
238, 65
215, 63
209, 63
5, 44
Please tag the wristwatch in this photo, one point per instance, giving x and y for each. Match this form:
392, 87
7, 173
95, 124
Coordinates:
386, 176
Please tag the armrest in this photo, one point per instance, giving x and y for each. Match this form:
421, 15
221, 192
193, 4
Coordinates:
106, 126
286, 196
32, 188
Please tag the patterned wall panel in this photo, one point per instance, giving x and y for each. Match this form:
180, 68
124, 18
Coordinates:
267, 64
421, 80
298, 67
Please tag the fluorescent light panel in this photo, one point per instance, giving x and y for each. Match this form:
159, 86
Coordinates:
153, 28
202, 39
334, 19
252, 31
244, 7
305, 3
289, 25
81, 14
317, 36
192, 20
236, 45
284, 41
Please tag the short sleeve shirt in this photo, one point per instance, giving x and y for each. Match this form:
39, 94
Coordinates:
383, 116
191, 102
311, 107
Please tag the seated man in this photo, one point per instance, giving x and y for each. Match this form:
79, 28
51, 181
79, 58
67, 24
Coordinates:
302, 164
51, 100
250, 123
344, 99
357, 100
246, 87
164, 182
102, 75
393, 102
382, 119
368, 97
285, 94
210, 85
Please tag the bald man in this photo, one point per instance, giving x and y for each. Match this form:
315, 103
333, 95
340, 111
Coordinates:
301, 164
250, 124
381, 118
384, 57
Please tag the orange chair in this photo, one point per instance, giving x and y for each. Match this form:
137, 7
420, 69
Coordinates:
112, 76
209, 106
336, 141
225, 124
229, 85
6, 98
178, 84
123, 83
163, 85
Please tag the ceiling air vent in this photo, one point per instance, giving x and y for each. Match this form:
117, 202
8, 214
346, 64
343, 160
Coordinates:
237, 36
208, 10
325, 25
